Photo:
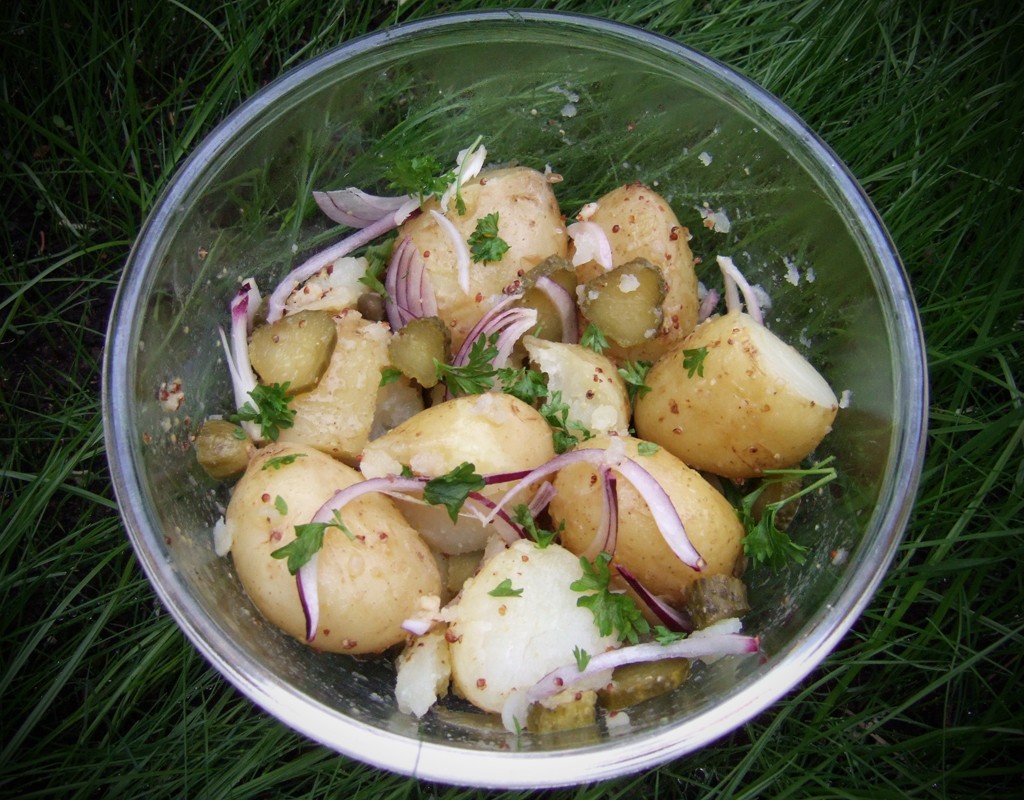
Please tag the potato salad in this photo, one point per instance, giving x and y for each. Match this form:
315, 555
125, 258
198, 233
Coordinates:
522, 455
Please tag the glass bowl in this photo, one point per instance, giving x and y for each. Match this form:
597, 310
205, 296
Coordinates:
602, 104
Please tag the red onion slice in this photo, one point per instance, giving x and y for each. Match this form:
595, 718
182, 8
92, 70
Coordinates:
606, 536
410, 293
707, 305
310, 267
357, 209
671, 618
309, 596
590, 244
564, 304
658, 502
733, 278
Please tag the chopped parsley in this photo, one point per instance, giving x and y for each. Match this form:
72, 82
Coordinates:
524, 384
477, 375
765, 542
280, 505
421, 176
647, 448
452, 489
484, 243
613, 611
542, 537
281, 461
582, 657
593, 338
377, 257
504, 589
634, 373
693, 361
389, 375
270, 412
664, 636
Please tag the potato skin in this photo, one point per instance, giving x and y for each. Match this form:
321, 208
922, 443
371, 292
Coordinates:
742, 416
529, 221
493, 431
709, 519
639, 223
367, 586
336, 416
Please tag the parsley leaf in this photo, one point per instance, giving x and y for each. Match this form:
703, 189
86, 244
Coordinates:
582, 657
521, 514
477, 375
389, 375
556, 412
525, 384
452, 489
420, 176
280, 505
270, 412
647, 448
309, 539
377, 257
612, 611
765, 542
504, 589
484, 243
664, 636
593, 338
634, 373
280, 461
693, 361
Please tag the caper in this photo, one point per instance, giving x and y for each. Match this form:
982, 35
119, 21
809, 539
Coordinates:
223, 449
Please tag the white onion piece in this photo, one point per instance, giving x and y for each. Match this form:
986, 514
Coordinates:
458, 245
565, 306
590, 244
545, 493
309, 268
357, 209
468, 163
243, 379
733, 278
658, 502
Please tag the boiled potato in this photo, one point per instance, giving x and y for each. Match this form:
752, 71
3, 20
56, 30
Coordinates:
589, 383
504, 644
367, 585
338, 414
423, 672
758, 405
710, 521
494, 432
529, 221
639, 223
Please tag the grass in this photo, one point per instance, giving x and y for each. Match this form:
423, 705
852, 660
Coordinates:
102, 696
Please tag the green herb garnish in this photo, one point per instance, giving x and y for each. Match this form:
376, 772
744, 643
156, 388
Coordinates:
542, 537
556, 412
504, 589
484, 243
270, 412
693, 361
634, 373
280, 505
421, 176
765, 542
593, 338
389, 375
477, 375
281, 461
647, 448
452, 489
377, 257
612, 611
582, 657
